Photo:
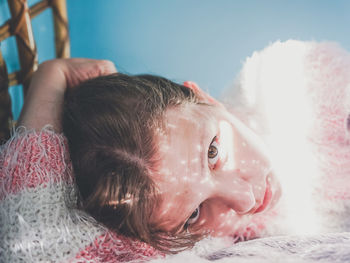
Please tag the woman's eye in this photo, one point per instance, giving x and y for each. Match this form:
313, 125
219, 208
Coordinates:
213, 152
194, 217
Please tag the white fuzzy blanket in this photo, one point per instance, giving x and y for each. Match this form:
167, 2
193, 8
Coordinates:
332, 248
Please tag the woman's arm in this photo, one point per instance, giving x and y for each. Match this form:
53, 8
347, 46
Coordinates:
43, 102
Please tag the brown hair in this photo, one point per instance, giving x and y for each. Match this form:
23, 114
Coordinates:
110, 124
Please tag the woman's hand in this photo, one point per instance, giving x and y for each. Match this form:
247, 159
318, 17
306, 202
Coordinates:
44, 100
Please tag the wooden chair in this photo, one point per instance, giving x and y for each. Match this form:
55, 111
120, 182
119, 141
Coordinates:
19, 25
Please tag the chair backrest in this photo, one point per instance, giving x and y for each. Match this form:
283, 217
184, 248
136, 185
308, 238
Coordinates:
19, 25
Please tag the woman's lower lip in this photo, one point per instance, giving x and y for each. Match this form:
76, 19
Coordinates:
266, 201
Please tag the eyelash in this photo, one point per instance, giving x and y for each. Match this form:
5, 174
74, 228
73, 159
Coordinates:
187, 224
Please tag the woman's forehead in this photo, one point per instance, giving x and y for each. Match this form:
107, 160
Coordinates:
195, 115
182, 147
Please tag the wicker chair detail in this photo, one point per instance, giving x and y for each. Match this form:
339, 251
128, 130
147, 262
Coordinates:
19, 25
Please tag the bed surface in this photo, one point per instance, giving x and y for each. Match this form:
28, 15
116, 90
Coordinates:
333, 248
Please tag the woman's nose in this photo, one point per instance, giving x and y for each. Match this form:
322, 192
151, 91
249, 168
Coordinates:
242, 176
235, 193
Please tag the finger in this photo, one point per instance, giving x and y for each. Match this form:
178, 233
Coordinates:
108, 67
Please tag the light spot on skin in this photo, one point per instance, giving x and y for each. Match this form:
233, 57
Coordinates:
195, 160
235, 181
204, 180
165, 172
244, 144
202, 222
257, 187
183, 162
199, 148
164, 148
265, 169
235, 191
222, 224
171, 126
243, 161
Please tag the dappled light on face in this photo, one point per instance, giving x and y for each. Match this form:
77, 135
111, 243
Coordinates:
200, 194
202, 222
255, 162
258, 187
171, 126
169, 206
205, 180
195, 160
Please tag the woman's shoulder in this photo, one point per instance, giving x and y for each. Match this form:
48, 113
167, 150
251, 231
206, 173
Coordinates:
31, 159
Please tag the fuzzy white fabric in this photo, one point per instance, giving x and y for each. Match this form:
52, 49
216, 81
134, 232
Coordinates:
331, 248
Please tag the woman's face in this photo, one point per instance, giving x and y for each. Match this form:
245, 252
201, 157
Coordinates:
213, 174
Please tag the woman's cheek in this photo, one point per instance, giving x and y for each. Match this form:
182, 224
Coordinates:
203, 221
213, 217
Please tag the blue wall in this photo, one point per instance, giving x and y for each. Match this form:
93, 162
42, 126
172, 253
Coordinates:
201, 40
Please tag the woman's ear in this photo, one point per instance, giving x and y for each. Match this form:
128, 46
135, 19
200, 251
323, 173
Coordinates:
205, 97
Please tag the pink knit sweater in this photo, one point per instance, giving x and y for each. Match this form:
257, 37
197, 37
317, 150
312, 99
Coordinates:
39, 220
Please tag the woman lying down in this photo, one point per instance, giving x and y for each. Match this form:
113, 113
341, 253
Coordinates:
106, 167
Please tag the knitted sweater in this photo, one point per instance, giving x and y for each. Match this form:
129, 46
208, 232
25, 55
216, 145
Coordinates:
39, 219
